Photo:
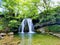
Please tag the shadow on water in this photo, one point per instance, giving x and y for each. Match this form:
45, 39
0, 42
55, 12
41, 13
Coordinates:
26, 38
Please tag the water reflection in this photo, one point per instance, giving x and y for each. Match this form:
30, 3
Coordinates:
26, 39
29, 39
22, 39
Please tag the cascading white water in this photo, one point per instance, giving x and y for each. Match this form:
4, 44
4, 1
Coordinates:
23, 25
30, 25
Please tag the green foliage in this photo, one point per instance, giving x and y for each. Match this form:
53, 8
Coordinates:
21, 8
50, 15
54, 28
2, 24
17, 10
13, 23
0, 13
1, 27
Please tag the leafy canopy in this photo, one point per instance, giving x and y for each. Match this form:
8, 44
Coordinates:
22, 8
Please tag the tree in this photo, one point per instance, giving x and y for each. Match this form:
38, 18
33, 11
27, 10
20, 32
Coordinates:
16, 10
21, 8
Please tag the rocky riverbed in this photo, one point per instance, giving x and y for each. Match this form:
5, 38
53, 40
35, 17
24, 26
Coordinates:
9, 39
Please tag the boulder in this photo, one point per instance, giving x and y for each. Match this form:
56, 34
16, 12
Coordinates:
2, 34
11, 33
42, 30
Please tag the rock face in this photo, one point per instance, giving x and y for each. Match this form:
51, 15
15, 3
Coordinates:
55, 34
42, 30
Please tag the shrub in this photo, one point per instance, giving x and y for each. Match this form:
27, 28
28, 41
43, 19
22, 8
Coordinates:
13, 23
1, 27
54, 28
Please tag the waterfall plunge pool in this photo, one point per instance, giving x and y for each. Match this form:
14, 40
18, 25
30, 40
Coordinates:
38, 39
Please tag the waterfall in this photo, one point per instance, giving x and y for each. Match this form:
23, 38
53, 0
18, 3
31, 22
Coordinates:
30, 25
23, 25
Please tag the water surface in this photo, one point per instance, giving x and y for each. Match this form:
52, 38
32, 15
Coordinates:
38, 39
